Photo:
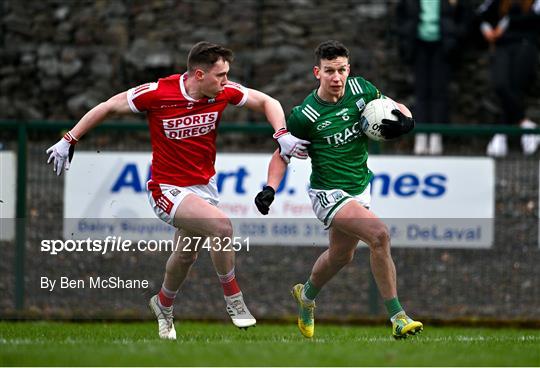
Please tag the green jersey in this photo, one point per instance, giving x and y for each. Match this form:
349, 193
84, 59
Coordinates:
338, 149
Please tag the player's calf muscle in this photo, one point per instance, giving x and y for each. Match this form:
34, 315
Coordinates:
341, 258
184, 258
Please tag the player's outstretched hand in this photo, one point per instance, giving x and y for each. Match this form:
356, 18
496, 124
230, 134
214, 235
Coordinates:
264, 199
61, 153
391, 129
289, 145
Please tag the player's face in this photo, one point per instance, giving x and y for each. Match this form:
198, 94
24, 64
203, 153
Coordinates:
215, 79
332, 75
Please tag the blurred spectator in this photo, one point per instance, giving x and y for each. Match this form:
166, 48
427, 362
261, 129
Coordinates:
430, 33
511, 28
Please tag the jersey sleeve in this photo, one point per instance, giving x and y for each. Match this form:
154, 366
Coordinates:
140, 98
296, 125
236, 94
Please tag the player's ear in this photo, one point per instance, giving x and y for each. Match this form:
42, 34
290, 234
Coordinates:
317, 72
199, 74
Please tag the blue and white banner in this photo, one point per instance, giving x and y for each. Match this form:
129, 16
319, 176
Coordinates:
426, 202
8, 195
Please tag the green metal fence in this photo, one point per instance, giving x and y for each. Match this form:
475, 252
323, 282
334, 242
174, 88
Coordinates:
511, 265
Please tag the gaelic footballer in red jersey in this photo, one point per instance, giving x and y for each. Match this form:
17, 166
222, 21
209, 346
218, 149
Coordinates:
183, 113
183, 130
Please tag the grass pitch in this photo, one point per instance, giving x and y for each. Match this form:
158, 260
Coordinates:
209, 344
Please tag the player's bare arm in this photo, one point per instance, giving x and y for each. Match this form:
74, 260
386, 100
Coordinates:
276, 171
261, 102
116, 105
61, 153
289, 145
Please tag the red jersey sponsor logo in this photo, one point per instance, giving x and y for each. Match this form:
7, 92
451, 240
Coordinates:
190, 125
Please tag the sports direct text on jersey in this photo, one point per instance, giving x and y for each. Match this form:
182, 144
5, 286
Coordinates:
190, 126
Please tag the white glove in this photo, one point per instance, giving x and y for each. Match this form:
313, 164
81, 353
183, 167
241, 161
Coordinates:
61, 153
290, 146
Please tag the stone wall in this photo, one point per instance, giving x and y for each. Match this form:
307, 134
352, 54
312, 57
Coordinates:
60, 58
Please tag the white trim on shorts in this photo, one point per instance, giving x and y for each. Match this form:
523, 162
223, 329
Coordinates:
326, 203
165, 198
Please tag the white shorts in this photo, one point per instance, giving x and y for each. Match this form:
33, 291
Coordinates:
165, 198
326, 203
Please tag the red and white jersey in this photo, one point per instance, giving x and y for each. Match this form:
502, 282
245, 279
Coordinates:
182, 130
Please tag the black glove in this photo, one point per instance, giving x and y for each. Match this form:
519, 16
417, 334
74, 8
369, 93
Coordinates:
391, 129
264, 199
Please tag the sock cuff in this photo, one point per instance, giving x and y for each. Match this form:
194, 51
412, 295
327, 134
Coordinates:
310, 291
228, 277
393, 306
168, 293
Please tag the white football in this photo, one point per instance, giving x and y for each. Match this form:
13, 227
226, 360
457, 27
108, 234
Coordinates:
374, 112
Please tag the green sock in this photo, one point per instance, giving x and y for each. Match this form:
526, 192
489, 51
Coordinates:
393, 307
310, 291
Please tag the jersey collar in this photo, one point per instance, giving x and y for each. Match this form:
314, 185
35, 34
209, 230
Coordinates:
183, 89
323, 102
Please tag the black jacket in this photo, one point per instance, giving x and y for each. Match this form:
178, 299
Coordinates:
522, 25
454, 22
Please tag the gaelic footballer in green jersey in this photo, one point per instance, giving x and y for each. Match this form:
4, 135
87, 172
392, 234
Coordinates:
339, 189
334, 130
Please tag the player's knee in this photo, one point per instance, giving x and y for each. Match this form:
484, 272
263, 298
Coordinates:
223, 229
379, 237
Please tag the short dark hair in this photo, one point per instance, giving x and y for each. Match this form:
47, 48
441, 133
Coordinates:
329, 50
205, 54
